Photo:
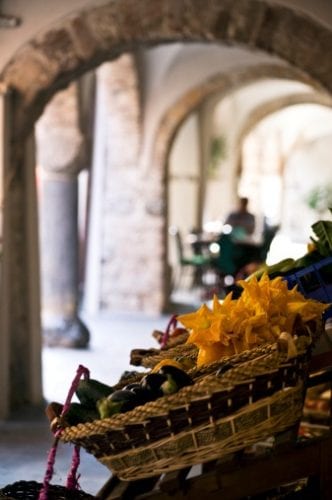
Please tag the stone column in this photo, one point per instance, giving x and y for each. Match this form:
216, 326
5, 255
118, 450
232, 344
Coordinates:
60, 152
20, 344
116, 218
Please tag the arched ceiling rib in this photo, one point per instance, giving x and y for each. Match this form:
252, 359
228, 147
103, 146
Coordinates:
88, 38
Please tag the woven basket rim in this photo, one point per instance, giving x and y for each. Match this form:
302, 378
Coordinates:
131, 443
242, 411
32, 487
190, 350
205, 386
239, 440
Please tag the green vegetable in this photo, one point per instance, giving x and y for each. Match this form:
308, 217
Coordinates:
106, 408
142, 394
89, 391
153, 382
169, 387
118, 402
281, 267
323, 232
78, 413
176, 379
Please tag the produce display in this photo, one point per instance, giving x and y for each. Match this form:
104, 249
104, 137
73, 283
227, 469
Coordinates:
98, 400
320, 246
265, 309
230, 376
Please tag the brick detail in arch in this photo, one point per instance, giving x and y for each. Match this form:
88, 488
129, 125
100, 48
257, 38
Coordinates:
221, 85
83, 41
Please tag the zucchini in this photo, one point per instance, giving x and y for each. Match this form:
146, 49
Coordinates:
89, 391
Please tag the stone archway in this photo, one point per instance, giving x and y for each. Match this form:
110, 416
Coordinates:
219, 87
82, 42
86, 39
266, 110
275, 105
278, 104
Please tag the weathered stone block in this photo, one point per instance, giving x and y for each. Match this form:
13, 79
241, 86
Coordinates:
103, 23
28, 73
83, 38
58, 48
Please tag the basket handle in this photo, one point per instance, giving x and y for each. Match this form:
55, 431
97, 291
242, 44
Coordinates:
73, 477
171, 324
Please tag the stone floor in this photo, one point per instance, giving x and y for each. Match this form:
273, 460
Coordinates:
25, 442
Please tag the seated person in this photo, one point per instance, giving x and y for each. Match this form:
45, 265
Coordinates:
236, 247
241, 220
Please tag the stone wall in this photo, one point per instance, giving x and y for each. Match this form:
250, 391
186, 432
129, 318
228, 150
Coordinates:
131, 247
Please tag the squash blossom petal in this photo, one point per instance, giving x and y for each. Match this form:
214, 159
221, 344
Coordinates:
265, 309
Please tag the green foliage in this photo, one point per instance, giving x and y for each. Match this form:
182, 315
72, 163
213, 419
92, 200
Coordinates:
218, 152
320, 198
323, 232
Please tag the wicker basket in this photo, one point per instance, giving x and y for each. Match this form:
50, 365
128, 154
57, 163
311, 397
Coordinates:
29, 490
150, 357
232, 404
171, 342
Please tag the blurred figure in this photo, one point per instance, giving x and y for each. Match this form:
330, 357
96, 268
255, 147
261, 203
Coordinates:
236, 243
241, 221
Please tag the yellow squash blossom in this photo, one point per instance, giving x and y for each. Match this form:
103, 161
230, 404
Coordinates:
265, 309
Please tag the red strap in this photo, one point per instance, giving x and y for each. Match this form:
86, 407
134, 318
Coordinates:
73, 477
171, 324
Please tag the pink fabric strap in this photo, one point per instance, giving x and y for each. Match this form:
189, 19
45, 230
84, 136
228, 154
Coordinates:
73, 477
171, 324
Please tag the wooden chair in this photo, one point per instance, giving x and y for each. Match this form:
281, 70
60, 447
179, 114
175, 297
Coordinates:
192, 266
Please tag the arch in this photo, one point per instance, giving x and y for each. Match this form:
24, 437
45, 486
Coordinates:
87, 38
274, 105
81, 42
263, 111
278, 104
221, 84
